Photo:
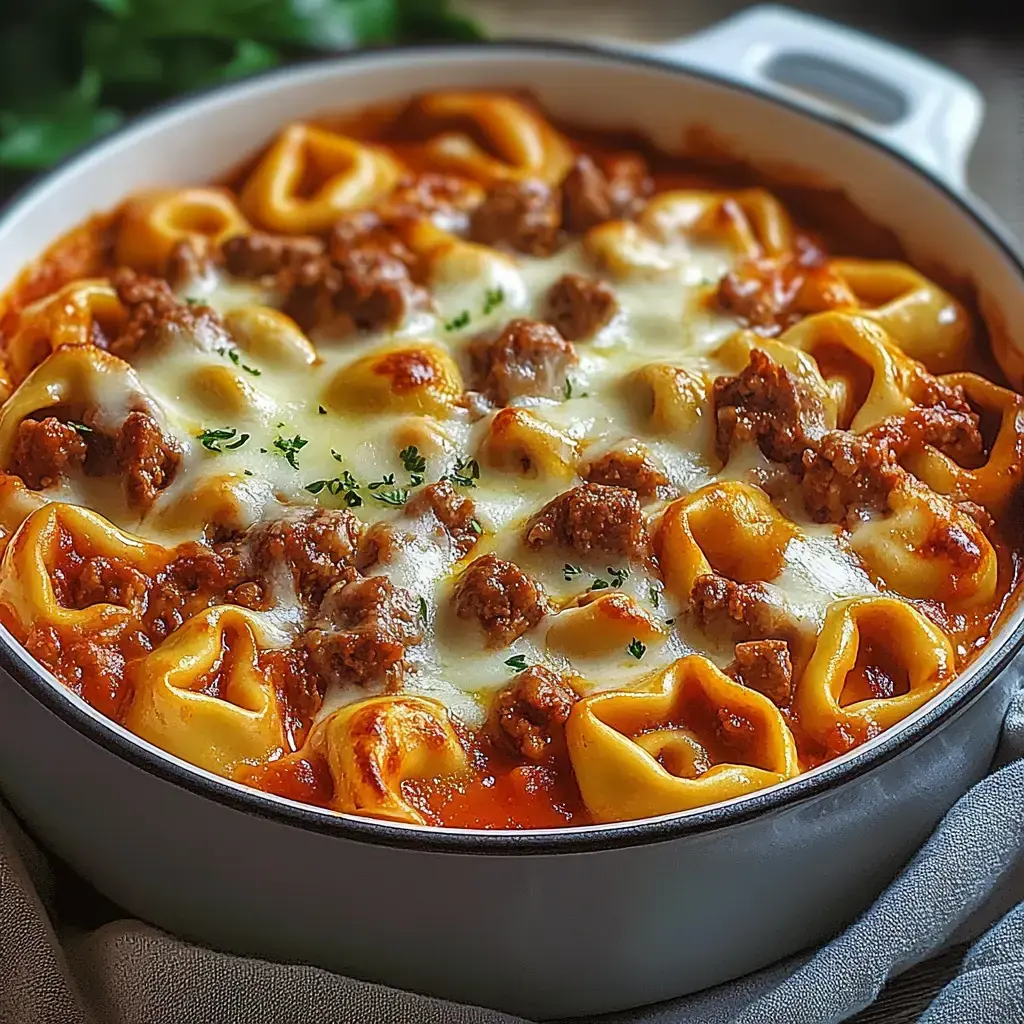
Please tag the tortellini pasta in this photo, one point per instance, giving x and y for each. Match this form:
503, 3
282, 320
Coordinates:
520, 442
269, 336
607, 624
72, 316
230, 502
728, 528
992, 483
73, 377
373, 746
750, 222
670, 399
745, 224
310, 176
925, 547
202, 697
925, 321
36, 549
524, 144
154, 223
419, 378
643, 753
876, 661
869, 377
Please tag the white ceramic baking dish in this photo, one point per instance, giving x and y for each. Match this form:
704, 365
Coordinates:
546, 923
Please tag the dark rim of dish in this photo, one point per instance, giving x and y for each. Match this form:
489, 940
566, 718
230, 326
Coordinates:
53, 695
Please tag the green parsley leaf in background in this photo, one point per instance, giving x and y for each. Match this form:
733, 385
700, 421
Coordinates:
71, 70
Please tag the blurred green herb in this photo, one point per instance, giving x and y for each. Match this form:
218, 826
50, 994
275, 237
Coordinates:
216, 439
71, 70
635, 649
290, 447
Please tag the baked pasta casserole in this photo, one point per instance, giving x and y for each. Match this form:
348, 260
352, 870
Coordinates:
448, 467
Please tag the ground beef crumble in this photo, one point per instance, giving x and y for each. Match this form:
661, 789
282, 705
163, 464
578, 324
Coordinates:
46, 450
523, 216
765, 666
365, 625
592, 194
593, 517
316, 546
501, 597
579, 307
528, 717
767, 404
528, 358
629, 468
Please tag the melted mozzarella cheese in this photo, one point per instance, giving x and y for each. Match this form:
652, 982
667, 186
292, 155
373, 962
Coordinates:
293, 440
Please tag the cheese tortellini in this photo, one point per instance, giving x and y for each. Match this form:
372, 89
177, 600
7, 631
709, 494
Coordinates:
310, 176
648, 752
876, 660
374, 746
201, 695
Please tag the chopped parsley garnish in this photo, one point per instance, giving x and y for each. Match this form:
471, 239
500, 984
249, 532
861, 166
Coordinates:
348, 481
493, 298
670, 622
636, 649
81, 428
217, 440
600, 584
570, 571
237, 360
192, 300
655, 594
337, 456
320, 409
247, 472
567, 391
423, 609
346, 485
465, 473
457, 322
474, 525
517, 663
397, 497
414, 463
290, 447
618, 576
233, 355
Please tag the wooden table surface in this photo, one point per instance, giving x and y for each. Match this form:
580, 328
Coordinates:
982, 44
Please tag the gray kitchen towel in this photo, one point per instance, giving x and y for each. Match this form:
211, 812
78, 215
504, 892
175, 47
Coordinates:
126, 972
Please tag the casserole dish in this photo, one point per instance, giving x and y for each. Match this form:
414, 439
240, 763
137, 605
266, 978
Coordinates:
598, 918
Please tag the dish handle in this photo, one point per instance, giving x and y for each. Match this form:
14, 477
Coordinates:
929, 114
